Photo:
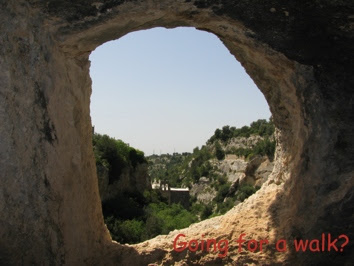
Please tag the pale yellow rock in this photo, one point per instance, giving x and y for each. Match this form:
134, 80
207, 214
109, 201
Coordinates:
49, 199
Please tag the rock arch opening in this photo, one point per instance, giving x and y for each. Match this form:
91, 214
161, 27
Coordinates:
274, 75
163, 89
50, 203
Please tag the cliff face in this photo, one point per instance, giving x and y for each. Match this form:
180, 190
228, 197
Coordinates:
253, 172
238, 170
243, 142
300, 55
132, 179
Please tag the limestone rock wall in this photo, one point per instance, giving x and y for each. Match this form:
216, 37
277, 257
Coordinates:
242, 142
238, 172
131, 180
300, 55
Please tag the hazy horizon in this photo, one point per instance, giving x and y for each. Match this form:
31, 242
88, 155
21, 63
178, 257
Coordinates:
168, 90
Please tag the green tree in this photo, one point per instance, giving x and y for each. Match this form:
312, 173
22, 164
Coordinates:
114, 155
219, 152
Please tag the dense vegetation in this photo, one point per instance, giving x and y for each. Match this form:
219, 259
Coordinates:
168, 167
261, 127
265, 147
135, 217
115, 155
186, 169
225, 199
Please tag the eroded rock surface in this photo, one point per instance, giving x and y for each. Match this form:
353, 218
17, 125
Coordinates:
203, 191
300, 55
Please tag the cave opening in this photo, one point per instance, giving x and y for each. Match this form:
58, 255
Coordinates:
51, 211
280, 80
161, 89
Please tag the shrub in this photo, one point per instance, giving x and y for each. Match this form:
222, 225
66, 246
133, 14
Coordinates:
222, 192
219, 154
260, 127
127, 231
172, 216
245, 191
223, 207
207, 212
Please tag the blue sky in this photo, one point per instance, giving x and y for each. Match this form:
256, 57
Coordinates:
165, 90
